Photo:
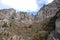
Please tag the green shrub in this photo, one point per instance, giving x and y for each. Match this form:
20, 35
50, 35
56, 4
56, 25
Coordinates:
30, 26
4, 25
41, 36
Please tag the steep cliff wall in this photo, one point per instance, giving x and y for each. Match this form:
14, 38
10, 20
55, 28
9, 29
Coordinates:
23, 26
49, 10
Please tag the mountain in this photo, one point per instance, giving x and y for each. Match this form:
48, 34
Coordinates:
50, 14
24, 26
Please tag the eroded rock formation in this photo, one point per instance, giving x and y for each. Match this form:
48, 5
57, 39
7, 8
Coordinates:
23, 26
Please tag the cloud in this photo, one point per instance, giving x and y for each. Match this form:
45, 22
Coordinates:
42, 2
22, 5
49, 1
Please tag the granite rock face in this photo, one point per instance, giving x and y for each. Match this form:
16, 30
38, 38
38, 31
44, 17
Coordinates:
5, 14
49, 10
24, 18
22, 25
20, 18
13, 25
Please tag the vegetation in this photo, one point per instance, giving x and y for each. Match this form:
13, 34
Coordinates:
5, 25
41, 35
30, 26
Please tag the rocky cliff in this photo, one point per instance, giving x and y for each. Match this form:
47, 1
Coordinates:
49, 10
20, 18
24, 26
13, 25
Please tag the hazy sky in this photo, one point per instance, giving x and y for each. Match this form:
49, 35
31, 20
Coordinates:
23, 5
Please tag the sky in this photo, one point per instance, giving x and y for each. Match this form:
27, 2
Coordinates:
24, 5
